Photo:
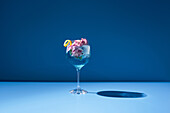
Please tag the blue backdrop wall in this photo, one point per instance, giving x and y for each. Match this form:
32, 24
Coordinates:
130, 39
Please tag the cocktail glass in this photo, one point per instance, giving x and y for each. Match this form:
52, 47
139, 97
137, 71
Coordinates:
78, 58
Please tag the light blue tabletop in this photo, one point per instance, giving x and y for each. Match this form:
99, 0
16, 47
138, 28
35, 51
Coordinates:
46, 97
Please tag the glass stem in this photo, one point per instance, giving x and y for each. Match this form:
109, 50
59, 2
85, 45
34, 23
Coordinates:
78, 78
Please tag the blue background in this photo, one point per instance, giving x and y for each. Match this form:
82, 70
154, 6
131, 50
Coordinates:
130, 39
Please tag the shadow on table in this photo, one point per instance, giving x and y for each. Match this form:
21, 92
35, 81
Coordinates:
120, 94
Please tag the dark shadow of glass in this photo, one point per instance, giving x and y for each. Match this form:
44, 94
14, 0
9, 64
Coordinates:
121, 94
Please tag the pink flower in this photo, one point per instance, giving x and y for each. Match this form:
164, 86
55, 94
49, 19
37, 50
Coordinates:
69, 48
77, 43
74, 48
77, 52
83, 41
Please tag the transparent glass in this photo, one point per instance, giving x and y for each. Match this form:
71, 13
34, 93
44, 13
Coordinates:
78, 62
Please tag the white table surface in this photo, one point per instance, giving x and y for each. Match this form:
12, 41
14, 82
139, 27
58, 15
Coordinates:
53, 97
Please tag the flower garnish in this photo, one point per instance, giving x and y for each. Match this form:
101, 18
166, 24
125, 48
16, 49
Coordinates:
75, 48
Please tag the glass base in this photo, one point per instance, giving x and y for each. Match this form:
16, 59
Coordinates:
78, 91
